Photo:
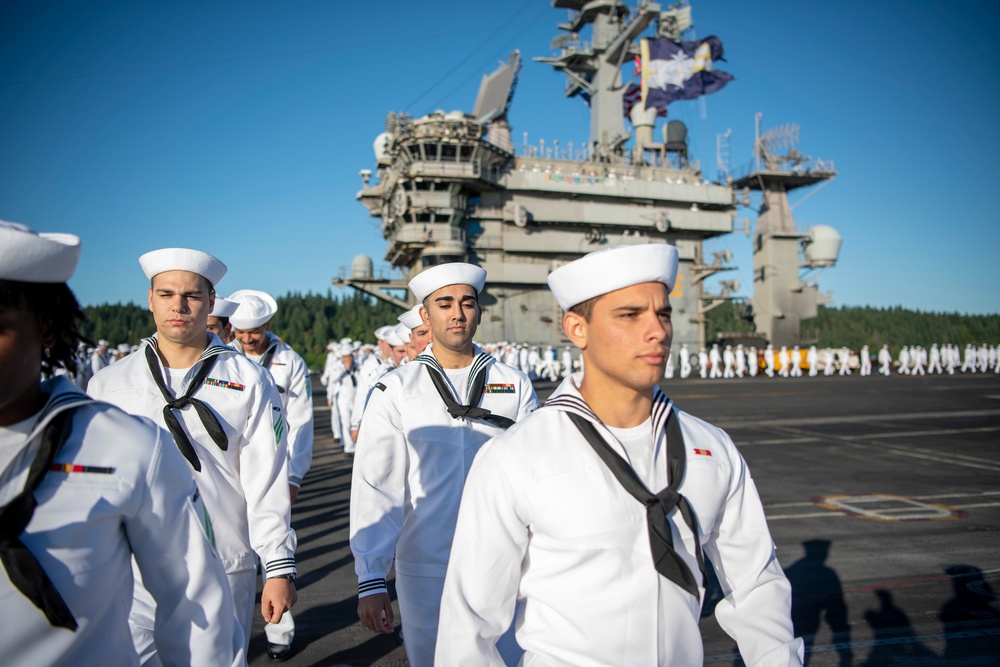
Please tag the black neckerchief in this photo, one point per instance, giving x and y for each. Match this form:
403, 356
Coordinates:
208, 418
477, 373
22, 567
665, 558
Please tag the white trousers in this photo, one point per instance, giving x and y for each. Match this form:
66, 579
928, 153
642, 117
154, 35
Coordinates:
420, 608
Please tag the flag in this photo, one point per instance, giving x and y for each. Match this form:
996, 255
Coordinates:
674, 71
631, 97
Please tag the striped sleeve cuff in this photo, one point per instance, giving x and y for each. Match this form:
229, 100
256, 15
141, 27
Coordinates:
294, 481
372, 587
279, 567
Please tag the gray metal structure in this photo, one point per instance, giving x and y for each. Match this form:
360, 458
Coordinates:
451, 187
782, 296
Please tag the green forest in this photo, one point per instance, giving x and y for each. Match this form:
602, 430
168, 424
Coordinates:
309, 321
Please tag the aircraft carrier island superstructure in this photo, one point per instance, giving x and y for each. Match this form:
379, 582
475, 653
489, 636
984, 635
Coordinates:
453, 187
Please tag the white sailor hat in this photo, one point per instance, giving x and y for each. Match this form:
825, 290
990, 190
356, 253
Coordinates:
256, 309
611, 269
29, 257
411, 319
104, 343
331, 346
398, 335
345, 350
224, 307
183, 259
456, 273
382, 333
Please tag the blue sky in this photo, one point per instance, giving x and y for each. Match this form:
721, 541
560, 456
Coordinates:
240, 127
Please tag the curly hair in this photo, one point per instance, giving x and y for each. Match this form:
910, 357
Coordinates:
57, 311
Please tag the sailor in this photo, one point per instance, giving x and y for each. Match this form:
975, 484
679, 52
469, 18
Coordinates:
785, 360
753, 361
969, 363
828, 362
419, 336
703, 363
583, 530
885, 361
844, 355
331, 367
866, 361
252, 336
741, 361
812, 360
343, 388
371, 369
729, 362
934, 366
769, 361
101, 357
84, 488
685, 357
218, 319
904, 360
566, 362
224, 413
795, 367
668, 373
716, 361
421, 429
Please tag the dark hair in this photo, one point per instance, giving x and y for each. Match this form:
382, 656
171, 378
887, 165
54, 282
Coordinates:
585, 308
56, 310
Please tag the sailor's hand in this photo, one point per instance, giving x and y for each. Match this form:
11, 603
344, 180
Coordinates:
277, 597
293, 493
375, 612
354, 434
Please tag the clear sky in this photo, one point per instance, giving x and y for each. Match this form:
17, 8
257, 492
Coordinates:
239, 128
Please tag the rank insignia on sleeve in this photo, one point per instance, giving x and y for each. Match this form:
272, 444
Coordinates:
499, 389
236, 386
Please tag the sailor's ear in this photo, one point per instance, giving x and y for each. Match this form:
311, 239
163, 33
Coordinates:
577, 328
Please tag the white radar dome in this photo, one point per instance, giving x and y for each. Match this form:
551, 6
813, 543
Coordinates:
641, 116
361, 267
381, 147
822, 246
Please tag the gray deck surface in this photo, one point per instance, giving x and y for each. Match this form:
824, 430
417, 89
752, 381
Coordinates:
913, 553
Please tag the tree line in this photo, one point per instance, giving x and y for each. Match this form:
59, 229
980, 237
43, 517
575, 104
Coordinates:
855, 326
309, 321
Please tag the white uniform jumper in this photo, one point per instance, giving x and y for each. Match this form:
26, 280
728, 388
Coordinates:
116, 487
372, 368
245, 486
409, 472
545, 521
291, 375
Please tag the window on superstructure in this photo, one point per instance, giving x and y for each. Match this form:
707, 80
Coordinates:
466, 154
449, 153
431, 151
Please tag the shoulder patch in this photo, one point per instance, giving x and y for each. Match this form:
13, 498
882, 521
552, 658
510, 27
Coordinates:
379, 386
